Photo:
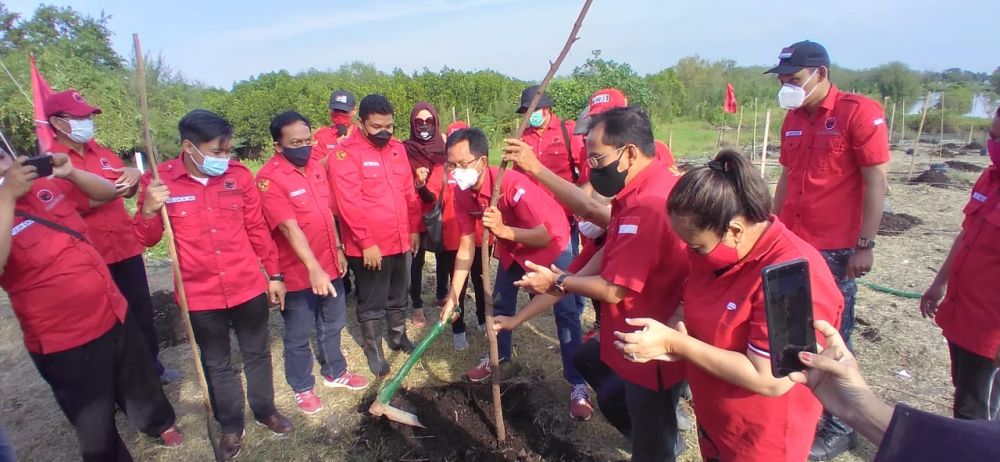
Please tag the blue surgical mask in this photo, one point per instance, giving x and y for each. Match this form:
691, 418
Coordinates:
537, 118
212, 166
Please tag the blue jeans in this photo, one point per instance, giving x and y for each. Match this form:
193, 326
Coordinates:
567, 313
574, 242
303, 310
837, 261
6, 449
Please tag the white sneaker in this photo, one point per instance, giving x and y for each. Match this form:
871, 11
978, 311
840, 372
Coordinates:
460, 342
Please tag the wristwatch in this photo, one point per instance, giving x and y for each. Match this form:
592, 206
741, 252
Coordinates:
560, 288
865, 244
280, 277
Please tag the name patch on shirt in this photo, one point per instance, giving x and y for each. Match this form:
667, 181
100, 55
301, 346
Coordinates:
297, 192
628, 225
518, 195
370, 163
878, 122
793, 133
979, 197
174, 200
21, 227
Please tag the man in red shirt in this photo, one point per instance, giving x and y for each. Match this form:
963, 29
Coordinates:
222, 243
969, 315
528, 225
834, 158
380, 221
74, 319
71, 118
639, 272
342, 112
296, 201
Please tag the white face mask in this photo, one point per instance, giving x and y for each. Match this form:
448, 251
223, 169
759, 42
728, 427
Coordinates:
590, 230
465, 178
792, 96
80, 131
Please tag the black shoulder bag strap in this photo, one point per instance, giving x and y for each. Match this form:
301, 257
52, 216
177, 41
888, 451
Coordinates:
569, 150
52, 224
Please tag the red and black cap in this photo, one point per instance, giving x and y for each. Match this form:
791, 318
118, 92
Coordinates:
798, 56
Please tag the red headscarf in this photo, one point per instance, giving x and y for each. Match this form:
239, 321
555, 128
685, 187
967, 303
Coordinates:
420, 152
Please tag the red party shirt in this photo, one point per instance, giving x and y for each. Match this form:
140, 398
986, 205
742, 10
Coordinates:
823, 155
59, 286
969, 315
304, 197
221, 236
727, 311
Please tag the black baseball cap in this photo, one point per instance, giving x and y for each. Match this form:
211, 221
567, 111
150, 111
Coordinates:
342, 100
528, 94
797, 56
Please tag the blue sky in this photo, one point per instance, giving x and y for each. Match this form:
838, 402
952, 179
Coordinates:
219, 43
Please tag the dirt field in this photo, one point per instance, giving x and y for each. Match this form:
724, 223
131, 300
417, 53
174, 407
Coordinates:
903, 357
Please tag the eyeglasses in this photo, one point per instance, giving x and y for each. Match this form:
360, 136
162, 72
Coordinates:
295, 144
454, 165
595, 161
428, 121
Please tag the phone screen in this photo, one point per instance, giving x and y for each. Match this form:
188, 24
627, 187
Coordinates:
42, 164
788, 302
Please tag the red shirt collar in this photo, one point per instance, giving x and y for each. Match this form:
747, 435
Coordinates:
766, 241
827, 104
486, 190
554, 121
632, 188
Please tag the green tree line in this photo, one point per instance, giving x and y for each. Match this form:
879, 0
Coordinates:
74, 50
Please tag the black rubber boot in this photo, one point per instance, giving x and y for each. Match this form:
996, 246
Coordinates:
396, 326
371, 334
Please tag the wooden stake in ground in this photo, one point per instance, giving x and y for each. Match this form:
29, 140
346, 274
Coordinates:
739, 127
892, 119
491, 333
753, 142
168, 234
670, 141
763, 150
920, 131
454, 117
468, 116
902, 131
971, 127
941, 135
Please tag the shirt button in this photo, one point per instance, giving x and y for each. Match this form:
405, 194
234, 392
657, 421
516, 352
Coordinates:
218, 252
213, 230
183, 212
223, 274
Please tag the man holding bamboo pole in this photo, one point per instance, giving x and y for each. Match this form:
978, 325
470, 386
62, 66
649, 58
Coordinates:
76, 326
222, 244
834, 157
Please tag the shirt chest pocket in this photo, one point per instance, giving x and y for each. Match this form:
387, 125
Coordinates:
184, 213
372, 179
826, 152
792, 145
230, 205
556, 148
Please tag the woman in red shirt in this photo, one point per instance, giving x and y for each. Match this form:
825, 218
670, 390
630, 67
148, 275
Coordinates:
723, 212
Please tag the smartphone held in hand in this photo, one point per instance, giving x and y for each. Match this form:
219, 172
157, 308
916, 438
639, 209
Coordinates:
788, 303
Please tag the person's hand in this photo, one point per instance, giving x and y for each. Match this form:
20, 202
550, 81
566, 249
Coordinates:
447, 311
372, 258
61, 165
155, 196
128, 179
342, 262
276, 293
319, 280
654, 341
538, 279
17, 180
493, 221
414, 243
833, 375
521, 154
860, 263
505, 323
421, 176
929, 301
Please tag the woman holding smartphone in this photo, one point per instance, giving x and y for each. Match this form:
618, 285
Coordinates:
723, 212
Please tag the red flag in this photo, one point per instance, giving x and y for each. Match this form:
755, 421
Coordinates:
40, 91
730, 105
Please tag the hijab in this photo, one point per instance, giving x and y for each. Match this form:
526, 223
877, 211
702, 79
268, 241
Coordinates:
425, 153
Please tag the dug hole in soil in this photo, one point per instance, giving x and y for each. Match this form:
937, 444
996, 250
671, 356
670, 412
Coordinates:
963, 166
894, 224
459, 421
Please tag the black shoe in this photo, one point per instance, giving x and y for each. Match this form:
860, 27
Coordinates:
396, 326
830, 443
371, 335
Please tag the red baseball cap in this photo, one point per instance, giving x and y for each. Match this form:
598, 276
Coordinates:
69, 102
455, 126
605, 99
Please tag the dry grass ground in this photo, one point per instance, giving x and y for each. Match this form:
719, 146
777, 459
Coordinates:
891, 338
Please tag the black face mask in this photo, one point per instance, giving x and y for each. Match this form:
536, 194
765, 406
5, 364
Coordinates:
380, 139
342, 130
608, 181
299, 157
424, 132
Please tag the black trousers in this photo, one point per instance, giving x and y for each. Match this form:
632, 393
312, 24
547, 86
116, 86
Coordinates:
130, 277
211, 331
609, 386
417, 273
654, 422
476, 274
89, 380
381, 290
977, 385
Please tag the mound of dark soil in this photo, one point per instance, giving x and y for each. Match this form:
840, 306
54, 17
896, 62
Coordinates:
167, 318
897, 223
459, 420
963, 166
948, 153
933, 178
974, 145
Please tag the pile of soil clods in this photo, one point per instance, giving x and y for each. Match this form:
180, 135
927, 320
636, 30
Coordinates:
933, 178
894, 224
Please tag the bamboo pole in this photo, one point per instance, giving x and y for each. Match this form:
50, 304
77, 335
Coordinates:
491, 333
168, 234
670, 141
971, 127
920, 131
892, 120
739, 128
454, 117
941, 134
902, 132
468, 116
753, 141
763, 150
